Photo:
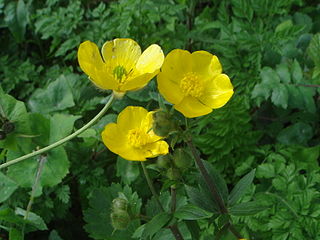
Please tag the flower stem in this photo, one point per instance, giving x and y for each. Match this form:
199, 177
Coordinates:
62, 141
212, 186
174, 229
42, 161
151, 187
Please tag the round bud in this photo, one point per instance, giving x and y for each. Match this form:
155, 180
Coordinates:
162, 123
120, 219
119, 204
8, 127
173, 174
182, 159
163, 161
2, 135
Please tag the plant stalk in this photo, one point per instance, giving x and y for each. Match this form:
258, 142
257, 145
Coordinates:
212, 186
174, 228
62, 141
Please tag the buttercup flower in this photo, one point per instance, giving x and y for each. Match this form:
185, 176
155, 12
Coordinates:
132, 136
122, 67
194, 83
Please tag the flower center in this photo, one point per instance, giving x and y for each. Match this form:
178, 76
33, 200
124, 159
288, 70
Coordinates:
138, 138
119, 72
191, 85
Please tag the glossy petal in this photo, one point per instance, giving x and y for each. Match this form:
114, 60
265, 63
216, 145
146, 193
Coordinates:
157, 148
218, 92
121, 52
151, 60
137, 82
190, 107
176, 64
205, 64
131, 117
169, 89
91, 63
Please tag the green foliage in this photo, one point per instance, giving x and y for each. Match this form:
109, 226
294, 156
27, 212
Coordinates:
269, 49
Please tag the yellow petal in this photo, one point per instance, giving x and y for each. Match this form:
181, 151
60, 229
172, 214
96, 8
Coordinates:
91, 63
121, 52
169, 89
131, 117
114, 139
218, 92
177, 63
205, 64
157, 148
190, 107
151, 59
137, 82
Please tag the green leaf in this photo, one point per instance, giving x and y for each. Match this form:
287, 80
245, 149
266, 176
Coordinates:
97, 216
56, 97
15, 234
7, 187
283, 72
156, 223
246, 209
16, 17
54, 235
127, 170
314, 49
191, 212
33, 219
299, 133
217, 179
240, 188
280, 96
201, 200
266, 170
296, 72
55, 168
61, 126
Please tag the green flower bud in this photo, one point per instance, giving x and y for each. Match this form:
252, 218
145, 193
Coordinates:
8, 127
163, 161
173, 174
2, 135
162, 123
119, 204
182, 159
120, 219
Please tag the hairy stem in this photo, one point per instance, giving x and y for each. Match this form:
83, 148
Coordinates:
62, 141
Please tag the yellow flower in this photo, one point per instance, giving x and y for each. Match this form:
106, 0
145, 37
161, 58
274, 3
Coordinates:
194, 83
132, 137
122, 67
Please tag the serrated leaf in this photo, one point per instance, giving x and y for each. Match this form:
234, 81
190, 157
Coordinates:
127, 170
201, 200
246, 209
32, 219
280, 96
266, 170
299, 133
192, 212
7, 187
156, 223
296, 72
240, 188
283, 72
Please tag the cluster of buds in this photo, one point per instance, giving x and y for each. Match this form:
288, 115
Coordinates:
6, 127
120, 217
